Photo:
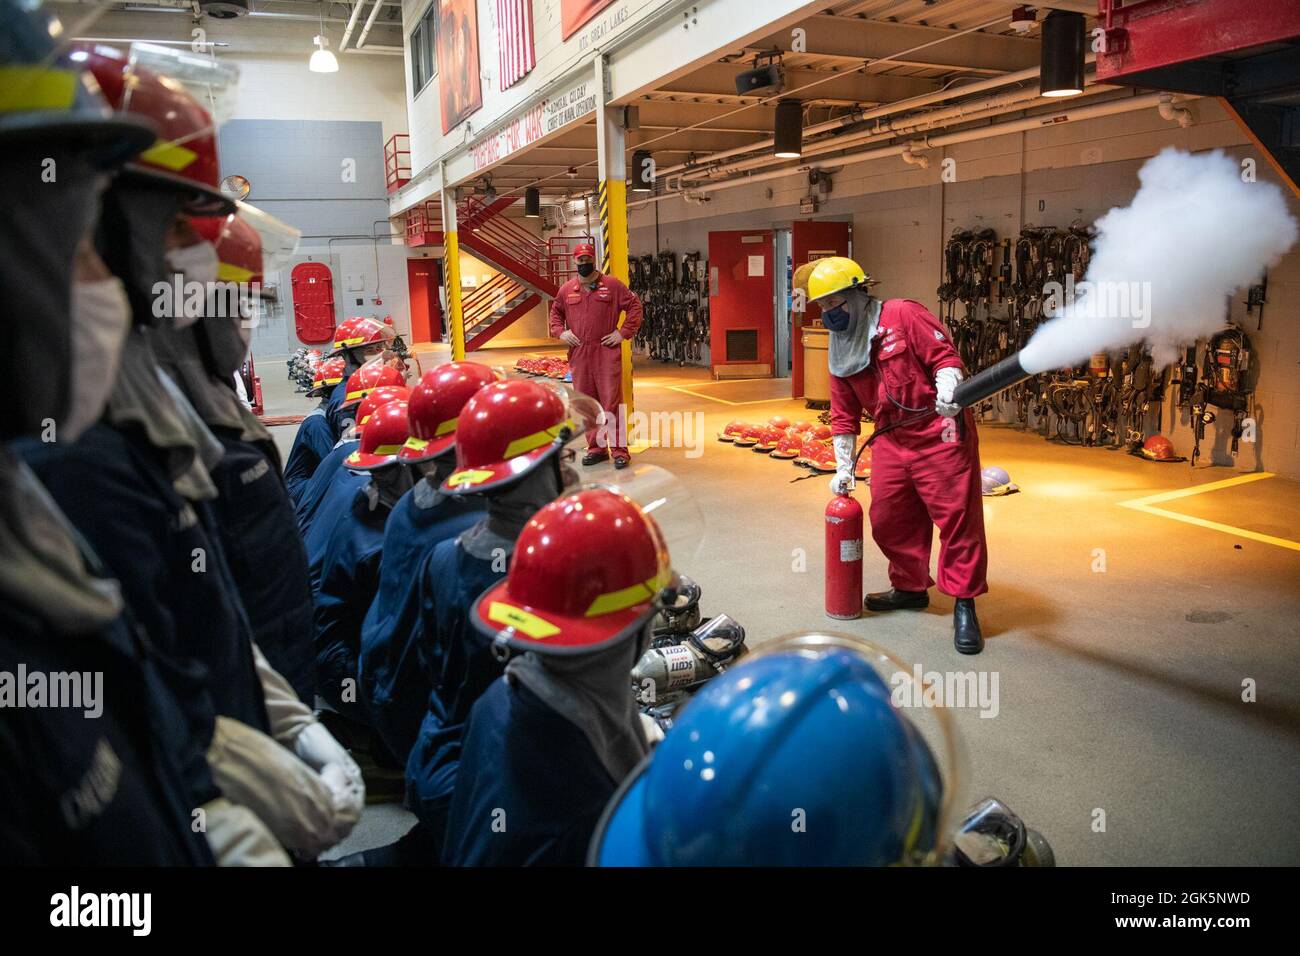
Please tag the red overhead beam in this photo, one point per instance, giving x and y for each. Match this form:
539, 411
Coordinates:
1142, 35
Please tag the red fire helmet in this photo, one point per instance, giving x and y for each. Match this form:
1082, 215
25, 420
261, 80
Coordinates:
862, 470
368, 378
788, 447
732, 431
584, 249
239, 247
360, 331
436, 403
505, 431
377, 399
587, 571
184, 154
779, 421
749, 436
1158, 448
328, 373
381, 439
768, 438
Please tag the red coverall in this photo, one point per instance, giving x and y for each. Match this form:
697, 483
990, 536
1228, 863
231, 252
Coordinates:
923, 473
591, 312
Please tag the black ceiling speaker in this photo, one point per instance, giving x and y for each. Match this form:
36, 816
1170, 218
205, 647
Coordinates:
1061, 71
224, 9
787, 136
767, 78
532, 202
643, 172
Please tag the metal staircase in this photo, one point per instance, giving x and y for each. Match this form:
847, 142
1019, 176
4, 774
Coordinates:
531, 269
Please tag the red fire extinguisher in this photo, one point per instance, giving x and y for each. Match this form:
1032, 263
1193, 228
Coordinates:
843, 558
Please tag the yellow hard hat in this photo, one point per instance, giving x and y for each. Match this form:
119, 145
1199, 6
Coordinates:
835, 274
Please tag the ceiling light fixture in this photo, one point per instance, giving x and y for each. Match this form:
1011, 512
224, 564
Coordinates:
787, 134
322, 59
1061, 70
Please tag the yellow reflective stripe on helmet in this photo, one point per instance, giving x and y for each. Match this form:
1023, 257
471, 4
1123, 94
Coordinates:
36, 88
344, 343
626, 597
416, 444
521, 446
348, 396
528, 624
386, 450
229, 273
446, 427
169, 155
469, 477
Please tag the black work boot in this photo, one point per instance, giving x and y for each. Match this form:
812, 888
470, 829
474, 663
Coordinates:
896, 600
966, 636
595, 457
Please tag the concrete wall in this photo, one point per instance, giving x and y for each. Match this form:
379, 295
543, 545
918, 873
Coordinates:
901, 216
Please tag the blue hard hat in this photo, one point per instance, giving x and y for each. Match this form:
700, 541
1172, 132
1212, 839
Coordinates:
790, 759
46, 97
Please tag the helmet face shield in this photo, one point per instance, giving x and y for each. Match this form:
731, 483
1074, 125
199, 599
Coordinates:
666, 499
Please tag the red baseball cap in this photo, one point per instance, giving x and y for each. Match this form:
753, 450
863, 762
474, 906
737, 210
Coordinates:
584, 249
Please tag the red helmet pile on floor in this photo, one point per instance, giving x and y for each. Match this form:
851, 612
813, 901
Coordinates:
549, 366
807, 444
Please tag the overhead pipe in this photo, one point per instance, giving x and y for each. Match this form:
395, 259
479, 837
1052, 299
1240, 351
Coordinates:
370, 22
993, 106
888, 109
352, 24
1096, 111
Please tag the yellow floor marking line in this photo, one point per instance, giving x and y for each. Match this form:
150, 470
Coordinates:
722, 401
1145, 504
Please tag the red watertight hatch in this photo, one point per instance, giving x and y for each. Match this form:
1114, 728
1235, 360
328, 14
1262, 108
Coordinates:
313, 302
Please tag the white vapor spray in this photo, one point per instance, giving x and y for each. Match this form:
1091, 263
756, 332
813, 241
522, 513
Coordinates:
1163, 266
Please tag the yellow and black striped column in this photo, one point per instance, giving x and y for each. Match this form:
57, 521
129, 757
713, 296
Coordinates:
451, 274
612, 200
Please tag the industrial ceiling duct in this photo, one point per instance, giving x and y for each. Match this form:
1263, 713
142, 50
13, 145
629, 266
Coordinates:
787, 135
224, 9
1061, 72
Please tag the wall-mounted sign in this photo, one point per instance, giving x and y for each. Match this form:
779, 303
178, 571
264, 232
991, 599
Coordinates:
573, 104
525, 130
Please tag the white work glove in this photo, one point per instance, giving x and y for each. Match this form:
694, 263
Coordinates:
568, 338
945, 383
294, 725
317, 748
295, 803
238, 838
845, 446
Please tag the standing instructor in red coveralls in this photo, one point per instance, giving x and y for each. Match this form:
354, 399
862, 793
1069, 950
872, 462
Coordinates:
584, 316
895, 360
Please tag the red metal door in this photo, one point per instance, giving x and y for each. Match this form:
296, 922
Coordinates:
740, 297
422, 285
808, 241
313, 302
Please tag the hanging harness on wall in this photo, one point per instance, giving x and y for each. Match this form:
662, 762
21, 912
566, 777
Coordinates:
676, 305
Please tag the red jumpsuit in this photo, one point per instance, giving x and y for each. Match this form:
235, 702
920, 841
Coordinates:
591, 312
922, 473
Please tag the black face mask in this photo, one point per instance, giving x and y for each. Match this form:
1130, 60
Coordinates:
43, 224
586, 268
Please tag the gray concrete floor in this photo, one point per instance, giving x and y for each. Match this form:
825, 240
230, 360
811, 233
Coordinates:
1120, 690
